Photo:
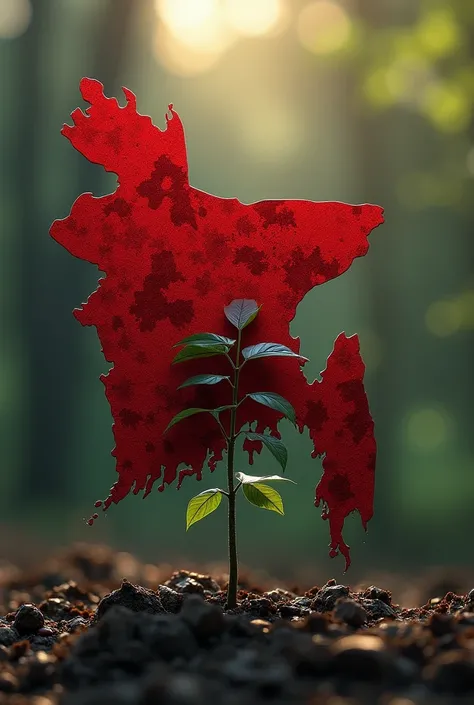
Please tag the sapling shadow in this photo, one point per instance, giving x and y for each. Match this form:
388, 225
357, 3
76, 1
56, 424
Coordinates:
240, 313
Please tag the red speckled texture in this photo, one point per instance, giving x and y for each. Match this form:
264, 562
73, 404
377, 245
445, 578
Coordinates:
173, 257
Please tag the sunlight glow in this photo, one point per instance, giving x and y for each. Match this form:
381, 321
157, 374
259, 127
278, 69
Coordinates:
449, 316
15, 18
200, 24
271, 133
443, 318
447, 106
324, 27
252, 18
179, 58
429, 428
439, 33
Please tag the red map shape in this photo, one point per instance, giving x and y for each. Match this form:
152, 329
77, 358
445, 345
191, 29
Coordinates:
173, 257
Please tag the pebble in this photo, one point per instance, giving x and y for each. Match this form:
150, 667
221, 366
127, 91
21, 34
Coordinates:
133, 597
205, 620
46, 631
350, 612
326, 598
8, 636
170, 599
172, 646
28, 619
377, 609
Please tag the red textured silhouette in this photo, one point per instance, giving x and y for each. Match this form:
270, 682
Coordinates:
174, 256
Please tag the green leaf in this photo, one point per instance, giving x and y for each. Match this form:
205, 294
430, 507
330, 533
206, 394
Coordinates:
253, 352
201, 505
276, 447
203, 379
252, 479
241, 312
193, 352
184, 415
264, 496
276, 402
202, 339
218, 409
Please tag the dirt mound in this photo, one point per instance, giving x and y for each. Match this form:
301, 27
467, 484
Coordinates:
75, 633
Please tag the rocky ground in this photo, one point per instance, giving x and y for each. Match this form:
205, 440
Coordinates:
73, 634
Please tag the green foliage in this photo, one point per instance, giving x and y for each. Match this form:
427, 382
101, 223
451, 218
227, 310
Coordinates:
276, 402
204, 379
240, 313
201, 505
184, 415
264, 496
254, 352
194, 352
203, 339
252, 479
276, 447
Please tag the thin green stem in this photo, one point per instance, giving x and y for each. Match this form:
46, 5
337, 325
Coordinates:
233, 566
222, 429
231, 360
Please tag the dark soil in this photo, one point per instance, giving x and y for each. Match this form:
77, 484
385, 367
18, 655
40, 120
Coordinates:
73, 634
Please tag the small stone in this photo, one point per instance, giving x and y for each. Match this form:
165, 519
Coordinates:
28, 619
375, 593
54, 607
362, 658
327, 596
377, 609
262, 606
186, 582
133, 597
316, 623
76, 623
279, 595
453, 672
169, 637
204, 620
441, 624
45, 631
8, 682
302, 602
350, 612
8, 636
290, 611
170, 599
189, 586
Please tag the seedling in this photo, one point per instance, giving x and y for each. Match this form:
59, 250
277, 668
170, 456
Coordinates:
240, 313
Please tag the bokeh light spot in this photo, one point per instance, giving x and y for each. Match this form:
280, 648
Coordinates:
422, 189
15, 18
252, 18
448, 106
427, 429
200, 24
271, 133
443, 318
179, 58
438, 33
324, 27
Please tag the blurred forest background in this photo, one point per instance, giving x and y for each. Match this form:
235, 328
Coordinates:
350, 100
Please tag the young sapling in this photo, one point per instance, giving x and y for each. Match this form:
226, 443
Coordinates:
240, 313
